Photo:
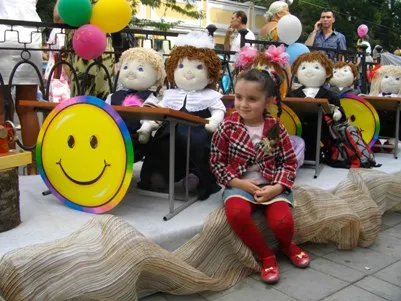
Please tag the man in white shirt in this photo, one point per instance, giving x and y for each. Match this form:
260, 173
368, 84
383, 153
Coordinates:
232, 40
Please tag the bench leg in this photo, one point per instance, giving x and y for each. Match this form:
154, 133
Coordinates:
318, 138
188, 202
29, 121
397, 130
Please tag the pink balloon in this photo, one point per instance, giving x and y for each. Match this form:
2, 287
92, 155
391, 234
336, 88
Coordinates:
362, 30
89, 42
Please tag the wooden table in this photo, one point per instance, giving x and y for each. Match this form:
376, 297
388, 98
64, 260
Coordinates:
15, 159
388, 104
174, 117
304, 105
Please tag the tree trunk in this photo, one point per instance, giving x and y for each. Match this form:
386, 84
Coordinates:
9, 199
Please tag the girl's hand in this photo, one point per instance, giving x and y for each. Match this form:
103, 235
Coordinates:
246, 185
268, 192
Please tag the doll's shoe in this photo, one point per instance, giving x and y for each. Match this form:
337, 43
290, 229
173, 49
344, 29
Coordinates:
377, 147
269, 270
193, 182
157, 182
298, 257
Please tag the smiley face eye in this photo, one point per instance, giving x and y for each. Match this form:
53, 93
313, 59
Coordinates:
71, 141
93, 142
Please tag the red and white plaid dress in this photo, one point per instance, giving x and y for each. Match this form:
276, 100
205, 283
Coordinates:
232, 153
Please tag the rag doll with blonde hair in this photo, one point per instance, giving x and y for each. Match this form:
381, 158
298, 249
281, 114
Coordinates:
386, 82
344, 77
193, 69
141, 70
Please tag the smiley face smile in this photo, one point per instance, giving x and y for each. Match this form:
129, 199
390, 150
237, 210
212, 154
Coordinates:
84, 182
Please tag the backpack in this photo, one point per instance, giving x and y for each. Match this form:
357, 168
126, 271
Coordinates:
347, 148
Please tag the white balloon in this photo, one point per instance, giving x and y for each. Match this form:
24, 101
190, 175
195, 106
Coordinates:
289, 29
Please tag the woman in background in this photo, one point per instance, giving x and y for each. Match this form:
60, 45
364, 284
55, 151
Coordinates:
276, 11
96, 82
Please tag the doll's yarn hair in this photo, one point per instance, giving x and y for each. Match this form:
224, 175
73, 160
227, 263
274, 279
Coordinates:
205, 55
146, 55
353, 67
270, 83
392, 70
262, 60
314, 56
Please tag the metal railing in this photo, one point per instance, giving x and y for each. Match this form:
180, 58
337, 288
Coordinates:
120, 41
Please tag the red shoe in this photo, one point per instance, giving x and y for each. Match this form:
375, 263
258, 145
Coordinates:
298, 257
269, 270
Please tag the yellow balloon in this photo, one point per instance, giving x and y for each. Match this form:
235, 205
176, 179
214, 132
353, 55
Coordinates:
111, 15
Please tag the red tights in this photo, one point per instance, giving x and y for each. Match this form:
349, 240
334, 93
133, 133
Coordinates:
279, 219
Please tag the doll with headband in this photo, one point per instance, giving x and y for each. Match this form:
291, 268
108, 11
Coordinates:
193, 69
140, 70
344, 77
274, 60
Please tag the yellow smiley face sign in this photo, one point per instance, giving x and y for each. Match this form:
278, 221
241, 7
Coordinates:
84, 154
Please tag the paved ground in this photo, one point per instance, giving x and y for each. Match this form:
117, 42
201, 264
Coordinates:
363, 274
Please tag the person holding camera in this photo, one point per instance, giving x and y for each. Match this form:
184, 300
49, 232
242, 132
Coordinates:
324, 35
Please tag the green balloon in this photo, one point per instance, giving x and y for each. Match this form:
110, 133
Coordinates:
75, 12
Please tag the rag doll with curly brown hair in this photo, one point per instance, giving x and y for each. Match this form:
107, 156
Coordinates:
313, 70
193, 68
344, 77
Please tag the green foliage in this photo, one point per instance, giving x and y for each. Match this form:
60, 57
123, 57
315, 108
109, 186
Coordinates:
45, 11
381, 16
162, 25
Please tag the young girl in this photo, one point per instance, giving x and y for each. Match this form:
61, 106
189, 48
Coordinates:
251, 154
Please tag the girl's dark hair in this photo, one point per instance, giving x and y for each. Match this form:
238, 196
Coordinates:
270, 83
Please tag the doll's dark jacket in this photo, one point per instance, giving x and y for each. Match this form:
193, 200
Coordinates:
322, 93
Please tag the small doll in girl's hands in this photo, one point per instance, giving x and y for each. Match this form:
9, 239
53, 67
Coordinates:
193, 69
344, 77
252, 156
140, 70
